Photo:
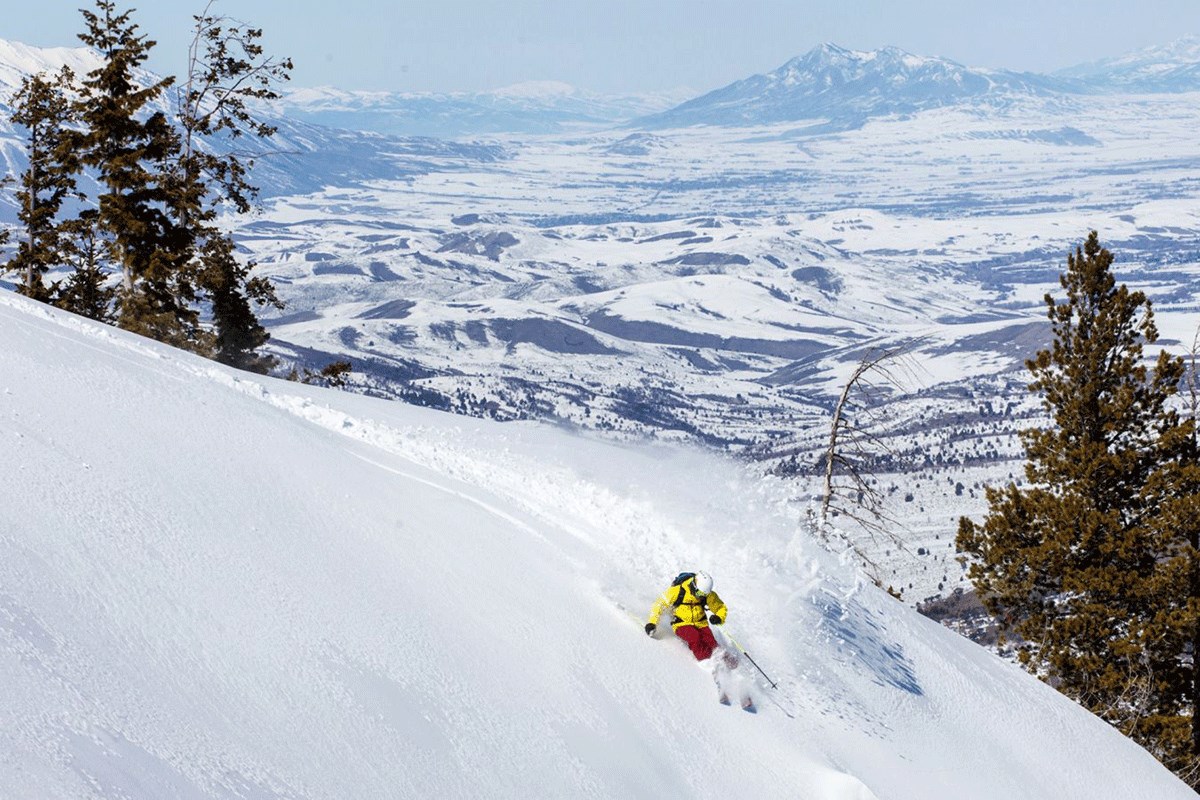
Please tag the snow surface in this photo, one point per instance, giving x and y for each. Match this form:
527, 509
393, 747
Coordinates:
18, 60
219, 585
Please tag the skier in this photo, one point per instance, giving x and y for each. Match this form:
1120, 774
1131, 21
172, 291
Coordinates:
688, 597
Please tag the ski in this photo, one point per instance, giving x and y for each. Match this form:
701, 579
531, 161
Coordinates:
747, 703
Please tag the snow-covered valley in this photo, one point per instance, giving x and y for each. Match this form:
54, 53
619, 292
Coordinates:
219, 585
718, 284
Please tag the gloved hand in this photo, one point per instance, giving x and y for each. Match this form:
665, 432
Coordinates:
650, 626
715, 620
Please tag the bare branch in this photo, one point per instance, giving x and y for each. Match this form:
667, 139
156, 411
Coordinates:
884, 362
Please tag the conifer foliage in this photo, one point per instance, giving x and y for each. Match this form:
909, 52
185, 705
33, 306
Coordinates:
44, 107
1087, 562
227, 69
147, 251
129, 145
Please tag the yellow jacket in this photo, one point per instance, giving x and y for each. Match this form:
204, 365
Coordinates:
688, 606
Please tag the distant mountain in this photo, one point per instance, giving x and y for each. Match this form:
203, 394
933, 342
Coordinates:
305, 157
18, 60
846, 86
533, 108
1170, 68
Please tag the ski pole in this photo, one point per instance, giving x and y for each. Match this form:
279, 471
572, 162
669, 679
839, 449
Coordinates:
752, 661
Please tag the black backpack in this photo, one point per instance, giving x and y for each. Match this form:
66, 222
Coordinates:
680, 579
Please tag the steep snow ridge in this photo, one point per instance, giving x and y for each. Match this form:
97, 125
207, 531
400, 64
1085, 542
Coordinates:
248, 588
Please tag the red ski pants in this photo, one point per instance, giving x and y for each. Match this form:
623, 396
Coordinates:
700, 640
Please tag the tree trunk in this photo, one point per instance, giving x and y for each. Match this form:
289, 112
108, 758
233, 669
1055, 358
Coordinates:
1195, 598
31, 206
831, 452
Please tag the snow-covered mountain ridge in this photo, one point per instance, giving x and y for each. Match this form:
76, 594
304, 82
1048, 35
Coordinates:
534, 107
222, 586
830, 86
1174, 67
847, 86
834, 86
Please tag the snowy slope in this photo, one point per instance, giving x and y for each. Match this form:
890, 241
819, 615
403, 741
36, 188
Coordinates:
217, 585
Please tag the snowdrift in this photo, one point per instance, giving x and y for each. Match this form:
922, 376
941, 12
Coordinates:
219, 585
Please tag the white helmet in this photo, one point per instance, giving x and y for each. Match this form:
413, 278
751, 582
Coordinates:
703, 583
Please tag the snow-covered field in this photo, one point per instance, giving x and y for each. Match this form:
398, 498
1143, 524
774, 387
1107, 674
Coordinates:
218, 585
744, 269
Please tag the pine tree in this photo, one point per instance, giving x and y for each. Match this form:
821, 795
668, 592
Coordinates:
86, 290
131, 146
161, 189
1074, 561
238, 333
1171, 729
43, 106
227, 69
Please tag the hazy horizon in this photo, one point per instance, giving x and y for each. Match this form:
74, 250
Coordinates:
624, 46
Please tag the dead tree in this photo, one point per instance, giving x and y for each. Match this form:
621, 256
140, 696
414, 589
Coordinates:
855, 448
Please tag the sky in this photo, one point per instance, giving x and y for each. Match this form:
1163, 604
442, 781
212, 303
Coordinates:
627, 45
